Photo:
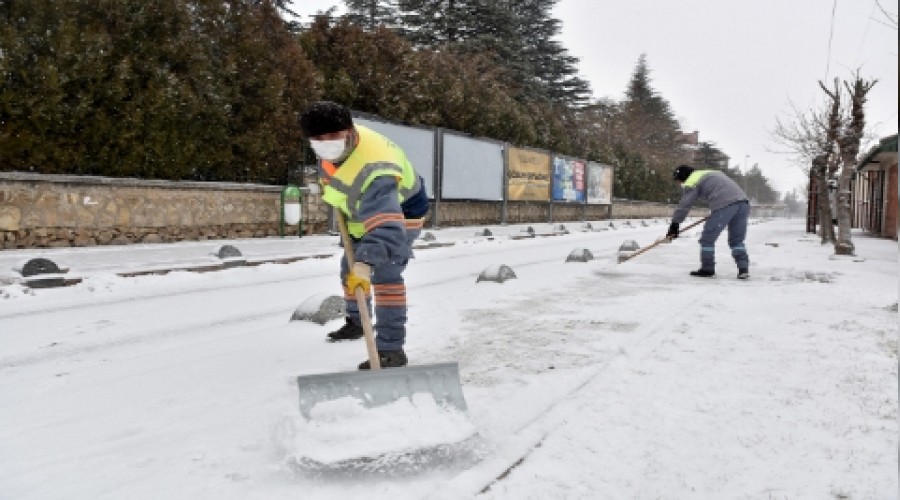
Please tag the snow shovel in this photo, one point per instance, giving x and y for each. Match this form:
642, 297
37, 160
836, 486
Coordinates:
664, 239
376, 386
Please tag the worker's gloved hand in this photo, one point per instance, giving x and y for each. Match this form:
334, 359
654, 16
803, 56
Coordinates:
360, 277
673, 231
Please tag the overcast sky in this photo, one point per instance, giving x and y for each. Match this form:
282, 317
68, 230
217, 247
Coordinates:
729, 69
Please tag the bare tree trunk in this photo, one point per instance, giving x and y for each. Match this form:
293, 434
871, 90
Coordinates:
832, 134
823, 202
843, 244
830, 141
849, 146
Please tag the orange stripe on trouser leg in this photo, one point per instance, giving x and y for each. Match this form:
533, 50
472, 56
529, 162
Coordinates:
390, 295
387, 288
390, 301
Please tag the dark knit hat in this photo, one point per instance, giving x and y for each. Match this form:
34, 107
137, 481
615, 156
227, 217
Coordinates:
681, 173
324, 117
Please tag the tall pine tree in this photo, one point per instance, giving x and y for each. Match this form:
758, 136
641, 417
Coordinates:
647, 130
552, 71
519, 34
432, 23
370, 14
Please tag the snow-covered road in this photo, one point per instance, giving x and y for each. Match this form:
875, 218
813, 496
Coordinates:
584, 380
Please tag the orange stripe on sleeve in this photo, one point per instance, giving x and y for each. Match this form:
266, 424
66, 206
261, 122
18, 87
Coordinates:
380, 219
414, 223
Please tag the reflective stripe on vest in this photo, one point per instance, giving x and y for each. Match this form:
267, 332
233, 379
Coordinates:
695, 177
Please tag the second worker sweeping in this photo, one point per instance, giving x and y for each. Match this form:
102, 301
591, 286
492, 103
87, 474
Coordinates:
729, 208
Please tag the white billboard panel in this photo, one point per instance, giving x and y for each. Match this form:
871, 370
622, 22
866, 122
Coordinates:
473, 169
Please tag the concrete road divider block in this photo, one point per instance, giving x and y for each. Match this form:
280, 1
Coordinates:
41, 273
499, 274
320, 309
629, 246
580, 255
231, 256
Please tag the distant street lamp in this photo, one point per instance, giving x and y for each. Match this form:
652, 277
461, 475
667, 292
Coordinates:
744, 172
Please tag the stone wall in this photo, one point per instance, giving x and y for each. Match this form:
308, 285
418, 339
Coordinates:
627, 209
524, 212
54, 210
466, 213
474, 213
38, 211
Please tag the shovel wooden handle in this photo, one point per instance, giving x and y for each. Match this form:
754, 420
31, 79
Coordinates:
661, 240
361, 304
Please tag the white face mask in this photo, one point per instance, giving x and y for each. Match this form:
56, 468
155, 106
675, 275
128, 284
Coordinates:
329, 150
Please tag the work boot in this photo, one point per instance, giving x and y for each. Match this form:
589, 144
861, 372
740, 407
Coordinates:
743, 274
350, 331
703, 273
389, 359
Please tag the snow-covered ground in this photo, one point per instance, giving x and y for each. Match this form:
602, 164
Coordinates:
583, 380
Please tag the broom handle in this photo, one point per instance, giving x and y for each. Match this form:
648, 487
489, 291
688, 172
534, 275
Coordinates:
695, 224
662, 240
364, 318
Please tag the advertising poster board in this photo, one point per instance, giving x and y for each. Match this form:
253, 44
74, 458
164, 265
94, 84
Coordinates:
529, 175
600, 184
568, 179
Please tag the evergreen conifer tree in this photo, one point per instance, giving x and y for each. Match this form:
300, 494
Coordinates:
371, 13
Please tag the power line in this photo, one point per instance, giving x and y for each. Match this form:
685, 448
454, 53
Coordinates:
866, 32
891, 17
830, 38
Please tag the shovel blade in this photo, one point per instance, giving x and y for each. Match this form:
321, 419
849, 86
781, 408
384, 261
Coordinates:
380, 387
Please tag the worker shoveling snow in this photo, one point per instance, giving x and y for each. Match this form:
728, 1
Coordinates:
344, 437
